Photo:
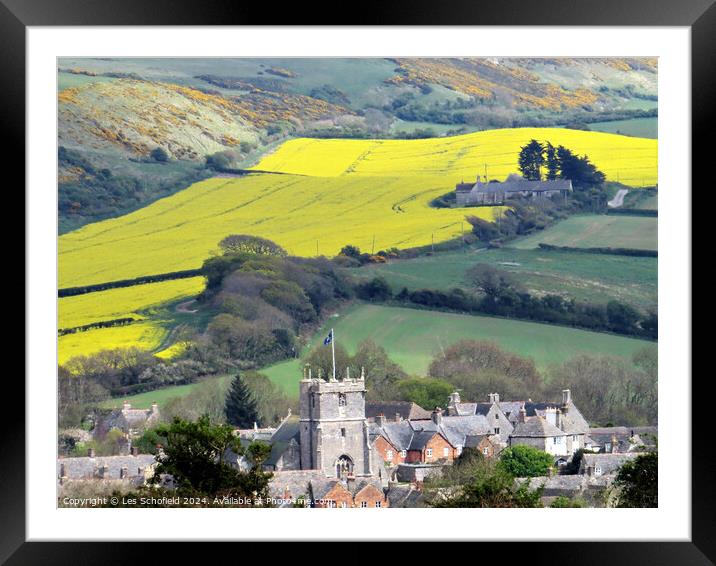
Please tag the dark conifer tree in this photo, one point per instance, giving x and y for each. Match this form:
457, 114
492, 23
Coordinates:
531, 160
240, 407
552, 162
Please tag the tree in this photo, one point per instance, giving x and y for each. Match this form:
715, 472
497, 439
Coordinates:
194, 454
426, 392
159, 154
489, 280
377, 289
482, 484
552, 162
320, 360
245, 244
622, 318
381, 373
525, 461
637, 482
531, 160
240, 405
579, 170
218, 161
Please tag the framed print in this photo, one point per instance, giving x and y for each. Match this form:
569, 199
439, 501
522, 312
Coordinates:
411, 266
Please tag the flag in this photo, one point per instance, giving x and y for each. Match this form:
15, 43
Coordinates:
328, 338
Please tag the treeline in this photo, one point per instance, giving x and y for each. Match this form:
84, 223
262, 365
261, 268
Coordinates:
71, 291
633, 212
500, 295
93, 325
96, 193
610, 251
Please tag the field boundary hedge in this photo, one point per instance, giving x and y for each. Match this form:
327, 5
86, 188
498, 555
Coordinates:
72, 291
93, 325
608, 251
632, 212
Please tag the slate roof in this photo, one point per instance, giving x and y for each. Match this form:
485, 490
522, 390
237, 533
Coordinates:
519, 186
536, 427
609, 463
297, 482
389, 409
473, 440
404, 496
85, 467
399, 434
281, 439
465, 408
420, 439
572, 421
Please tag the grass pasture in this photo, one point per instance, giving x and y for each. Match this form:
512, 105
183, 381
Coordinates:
637, 127
588, 277
412, 337
591, 231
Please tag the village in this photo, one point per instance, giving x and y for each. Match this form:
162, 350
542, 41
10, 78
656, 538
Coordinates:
344, 452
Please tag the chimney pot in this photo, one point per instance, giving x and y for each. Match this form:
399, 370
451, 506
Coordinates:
437, 416
566, 396
523, 414
380, 419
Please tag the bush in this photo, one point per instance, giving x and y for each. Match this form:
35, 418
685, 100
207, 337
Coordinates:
525, 461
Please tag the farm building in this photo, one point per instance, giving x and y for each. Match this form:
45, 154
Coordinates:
497, 193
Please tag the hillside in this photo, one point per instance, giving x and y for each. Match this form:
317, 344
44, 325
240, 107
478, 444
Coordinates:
631, 160
113, 112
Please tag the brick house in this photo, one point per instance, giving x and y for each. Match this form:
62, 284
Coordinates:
483, 444
430, 446
334, 494
388, 452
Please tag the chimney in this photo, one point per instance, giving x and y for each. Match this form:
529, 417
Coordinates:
494, 398
155, 408
558, 419
437, 416
523, 414
454, 397
566, 397
351, 483
398, 417
380, 420
134, 451
90, 452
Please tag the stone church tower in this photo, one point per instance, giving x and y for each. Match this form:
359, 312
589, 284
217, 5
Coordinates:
333, 428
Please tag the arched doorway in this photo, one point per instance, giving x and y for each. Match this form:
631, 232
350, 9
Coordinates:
344, 466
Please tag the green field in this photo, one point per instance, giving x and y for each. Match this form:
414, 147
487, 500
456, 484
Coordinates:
412, 337
637, 127
594, 231
642, 200
160, 396
585, 277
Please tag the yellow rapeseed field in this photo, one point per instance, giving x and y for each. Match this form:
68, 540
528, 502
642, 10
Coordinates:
303, 214
319, 196
147, 335
123, 302
632, 161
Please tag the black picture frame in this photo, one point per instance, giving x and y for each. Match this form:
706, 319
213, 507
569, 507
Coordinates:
699, 15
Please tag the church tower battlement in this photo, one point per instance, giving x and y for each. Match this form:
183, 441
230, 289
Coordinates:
333, 427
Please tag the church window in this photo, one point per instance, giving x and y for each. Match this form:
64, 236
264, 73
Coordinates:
341, 399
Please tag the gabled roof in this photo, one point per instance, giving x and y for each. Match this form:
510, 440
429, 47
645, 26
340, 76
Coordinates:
406, 409
518, 186
536, 427
282, 438
295, 481
608, 463
84, 467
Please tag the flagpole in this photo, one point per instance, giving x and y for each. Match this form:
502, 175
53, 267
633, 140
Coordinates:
333, 351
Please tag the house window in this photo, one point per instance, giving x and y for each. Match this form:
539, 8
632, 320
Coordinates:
497, 417
429, 452
485, 451
403, 453
446, 452
598, 471
389, 455
364, 504
331, 504
341, 399
497, 430
344, 504
377, 503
